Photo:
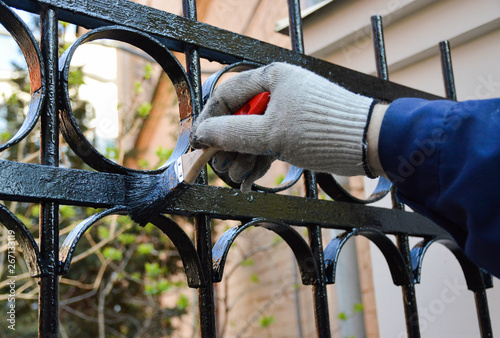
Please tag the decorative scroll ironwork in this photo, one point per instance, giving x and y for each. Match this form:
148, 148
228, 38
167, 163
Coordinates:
29, 47
157, 33
302, 252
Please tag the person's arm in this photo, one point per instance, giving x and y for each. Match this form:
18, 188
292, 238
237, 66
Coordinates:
444, 159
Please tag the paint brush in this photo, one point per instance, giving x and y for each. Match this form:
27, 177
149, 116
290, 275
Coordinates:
146, 194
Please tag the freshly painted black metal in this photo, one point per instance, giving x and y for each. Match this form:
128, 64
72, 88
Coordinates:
169, 63
130, 192
379, 47
213, 43
202, 223
146, 193
408, 288
68, 186
105, 190
395, 261
29, 47
447, 68
306, 261
25, 240
333, 189
181, 241
67, 249
49, 156
483, 313
474, 276
193, 266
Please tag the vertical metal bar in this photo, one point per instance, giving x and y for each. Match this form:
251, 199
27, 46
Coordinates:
295, 26
482, 310
49, 155
383, 73
408, 290
483, 313
315, 235
379, 45
409, 295
447, 68
203, 236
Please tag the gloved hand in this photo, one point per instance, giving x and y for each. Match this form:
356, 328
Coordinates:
309, 122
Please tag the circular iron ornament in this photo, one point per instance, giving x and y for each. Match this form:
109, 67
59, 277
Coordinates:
208, 87
184, 245
33, 57
333, 189
170, 65
305, 259
393, 257
25, 239
475, 277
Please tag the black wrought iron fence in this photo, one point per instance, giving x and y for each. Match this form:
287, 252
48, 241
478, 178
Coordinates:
156, 33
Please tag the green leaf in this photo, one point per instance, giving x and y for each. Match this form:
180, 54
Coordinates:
254, 278
247, 262
75, 77
126, 238
150, 289
144, 109
67, 211
279, 179
5, 136
342, 316
182, 302
26, 220
277, 240
102, 232
148, 71
163, 285
156, 288
112, 152
143, 163
35, 211
152, 269
138, 87
63, 47
358, 308
112, 253
163, 153
266, 321
145, 248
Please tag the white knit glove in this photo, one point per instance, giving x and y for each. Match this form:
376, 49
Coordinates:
309, 122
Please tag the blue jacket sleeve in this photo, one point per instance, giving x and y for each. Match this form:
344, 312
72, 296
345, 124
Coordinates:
444, 159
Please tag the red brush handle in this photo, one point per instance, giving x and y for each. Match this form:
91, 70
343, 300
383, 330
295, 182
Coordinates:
256, 106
